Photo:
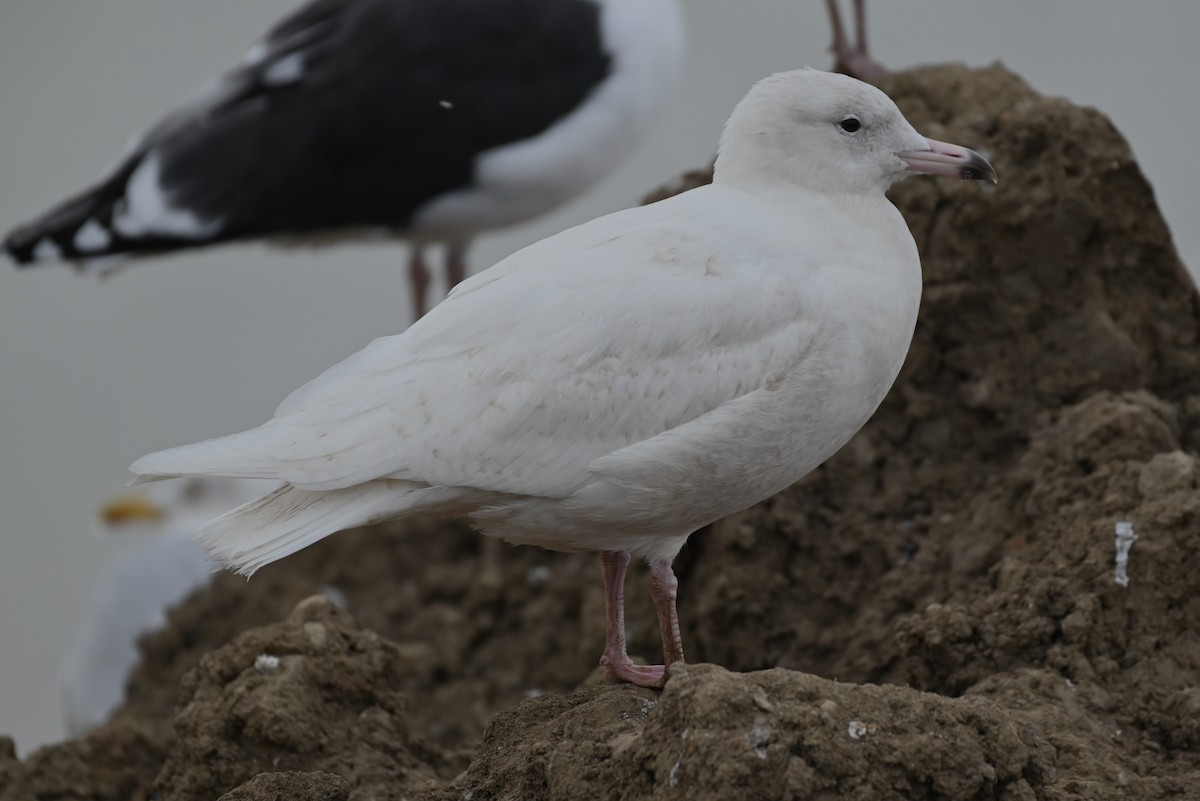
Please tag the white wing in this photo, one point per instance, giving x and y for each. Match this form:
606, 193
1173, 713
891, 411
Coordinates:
581, 345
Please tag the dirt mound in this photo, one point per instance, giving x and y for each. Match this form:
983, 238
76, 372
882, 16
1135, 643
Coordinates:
960, 551
773, 734
116, 762
277, 698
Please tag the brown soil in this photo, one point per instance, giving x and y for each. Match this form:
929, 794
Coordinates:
949, 575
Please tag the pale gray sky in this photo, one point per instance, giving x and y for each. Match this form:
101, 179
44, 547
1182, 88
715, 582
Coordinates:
178, 349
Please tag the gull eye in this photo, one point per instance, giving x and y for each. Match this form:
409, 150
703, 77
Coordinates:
849, 125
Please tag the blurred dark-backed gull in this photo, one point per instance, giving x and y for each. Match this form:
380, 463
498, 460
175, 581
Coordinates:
428, 119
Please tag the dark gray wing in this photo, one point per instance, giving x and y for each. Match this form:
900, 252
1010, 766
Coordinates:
348, 113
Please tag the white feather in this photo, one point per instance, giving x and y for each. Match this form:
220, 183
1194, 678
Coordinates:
223, 456
92, 237
288, 69
47, 250
146, 208
289, 519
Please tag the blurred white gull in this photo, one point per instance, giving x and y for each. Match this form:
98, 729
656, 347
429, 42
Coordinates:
428, 119
618, 386
135, 591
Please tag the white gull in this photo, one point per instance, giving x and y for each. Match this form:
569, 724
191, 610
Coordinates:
617, 386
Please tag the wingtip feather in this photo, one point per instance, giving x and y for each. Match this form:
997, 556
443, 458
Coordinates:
232, 456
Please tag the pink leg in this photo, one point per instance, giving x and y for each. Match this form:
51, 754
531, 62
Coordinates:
418, 280
617, 664
860, 25
665, 588
853, 59
456, 264
839, 33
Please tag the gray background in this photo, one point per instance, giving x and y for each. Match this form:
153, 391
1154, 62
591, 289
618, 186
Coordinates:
93, 374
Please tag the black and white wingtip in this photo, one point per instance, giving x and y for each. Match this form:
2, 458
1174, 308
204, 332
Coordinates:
126, 215
73, 231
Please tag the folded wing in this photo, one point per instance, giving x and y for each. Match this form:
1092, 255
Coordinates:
521, 379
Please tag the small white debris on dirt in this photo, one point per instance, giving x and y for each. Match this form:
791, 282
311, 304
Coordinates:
537, 577
760, 735
1125, 540
335, 596
673, 776
266, 663
856, 730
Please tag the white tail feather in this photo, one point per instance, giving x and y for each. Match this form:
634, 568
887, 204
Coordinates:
289, 519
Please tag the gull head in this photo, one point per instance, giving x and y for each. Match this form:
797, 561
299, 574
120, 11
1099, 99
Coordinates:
831, 133
129, 510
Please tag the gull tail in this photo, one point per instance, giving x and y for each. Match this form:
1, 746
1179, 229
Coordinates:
289, 519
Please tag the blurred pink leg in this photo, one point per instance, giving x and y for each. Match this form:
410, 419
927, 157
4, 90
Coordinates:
456, 264
418, 280
852, 59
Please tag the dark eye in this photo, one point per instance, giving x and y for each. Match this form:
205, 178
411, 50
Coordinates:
850, 124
